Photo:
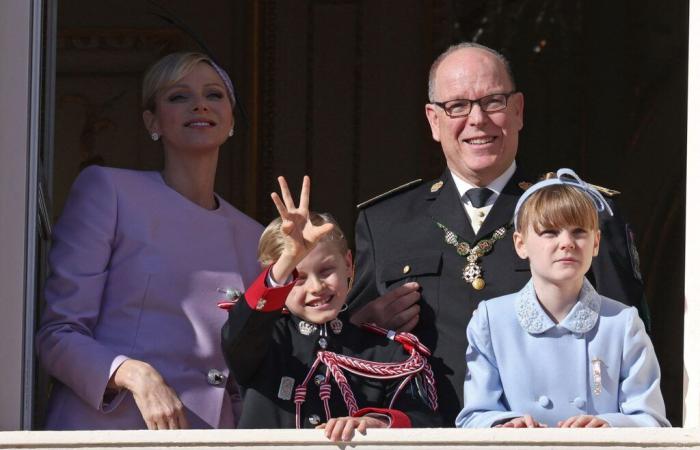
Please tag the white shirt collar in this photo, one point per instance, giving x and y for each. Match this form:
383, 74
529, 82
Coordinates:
496, 185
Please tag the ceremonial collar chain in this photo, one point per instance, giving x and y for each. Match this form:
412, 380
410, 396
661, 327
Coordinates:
472, 270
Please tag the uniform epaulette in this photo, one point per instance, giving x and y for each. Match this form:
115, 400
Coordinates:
603, 190
389, 193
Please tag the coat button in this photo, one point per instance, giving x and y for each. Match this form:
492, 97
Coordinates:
319, 379
314, 419
215, 377
579, 402
323, 343
543, 401
406, 269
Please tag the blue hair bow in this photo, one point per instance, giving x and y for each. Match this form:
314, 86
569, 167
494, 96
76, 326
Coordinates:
564, 177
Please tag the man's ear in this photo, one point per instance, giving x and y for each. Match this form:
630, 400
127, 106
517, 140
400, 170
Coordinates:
432, 115
150, 122
518, 101
519, 244
596, 243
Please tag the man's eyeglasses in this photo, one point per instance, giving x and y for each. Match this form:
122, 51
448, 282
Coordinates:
462, 107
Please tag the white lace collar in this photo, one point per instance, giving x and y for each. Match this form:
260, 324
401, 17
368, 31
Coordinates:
582, 317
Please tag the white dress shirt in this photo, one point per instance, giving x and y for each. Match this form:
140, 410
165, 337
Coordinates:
478, 215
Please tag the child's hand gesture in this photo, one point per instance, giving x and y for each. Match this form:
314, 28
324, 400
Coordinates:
583, 421
300, 234
525, 421
343, 428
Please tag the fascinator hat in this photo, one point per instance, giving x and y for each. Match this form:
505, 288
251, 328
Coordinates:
565, 177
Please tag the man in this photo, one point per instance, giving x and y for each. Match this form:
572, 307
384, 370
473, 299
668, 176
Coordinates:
434, 250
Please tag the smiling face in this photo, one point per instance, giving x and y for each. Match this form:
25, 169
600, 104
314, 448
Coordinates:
194, 113
480, 146
322, 287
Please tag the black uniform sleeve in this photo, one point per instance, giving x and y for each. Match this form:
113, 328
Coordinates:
615, 271
245, 340
364, 287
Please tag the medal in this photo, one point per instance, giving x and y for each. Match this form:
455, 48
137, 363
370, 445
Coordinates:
336, 326
306, 328
472, 270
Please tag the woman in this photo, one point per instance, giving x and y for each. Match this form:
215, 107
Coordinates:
130, 330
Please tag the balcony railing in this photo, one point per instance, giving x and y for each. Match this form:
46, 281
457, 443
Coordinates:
612, 438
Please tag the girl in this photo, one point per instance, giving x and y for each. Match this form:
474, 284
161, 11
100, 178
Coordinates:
287, 362
557, 353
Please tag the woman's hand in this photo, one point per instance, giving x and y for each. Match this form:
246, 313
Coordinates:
583, 421
343, 428
159, 405
525, 421
300, 234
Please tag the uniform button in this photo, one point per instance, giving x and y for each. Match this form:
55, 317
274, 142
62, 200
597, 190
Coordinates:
323, 343
543, 401
314, 419
319, 379
579, 402
215, 377
406, 269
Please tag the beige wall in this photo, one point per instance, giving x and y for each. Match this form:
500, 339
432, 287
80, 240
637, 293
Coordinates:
15, 131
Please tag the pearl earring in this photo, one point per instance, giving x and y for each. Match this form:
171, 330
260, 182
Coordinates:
230, 132
155, 136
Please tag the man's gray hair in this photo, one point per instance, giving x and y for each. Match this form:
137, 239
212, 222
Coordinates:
460, 46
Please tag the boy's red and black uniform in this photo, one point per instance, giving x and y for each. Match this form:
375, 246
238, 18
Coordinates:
271, 354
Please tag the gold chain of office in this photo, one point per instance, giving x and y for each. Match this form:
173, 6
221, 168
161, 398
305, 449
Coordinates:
472, 272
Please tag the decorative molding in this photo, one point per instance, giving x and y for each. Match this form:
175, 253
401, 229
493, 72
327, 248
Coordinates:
161, 40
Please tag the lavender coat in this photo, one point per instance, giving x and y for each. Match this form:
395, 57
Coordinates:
136, 270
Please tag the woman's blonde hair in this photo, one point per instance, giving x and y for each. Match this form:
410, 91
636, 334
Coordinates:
272, 239
555, 207
168, 70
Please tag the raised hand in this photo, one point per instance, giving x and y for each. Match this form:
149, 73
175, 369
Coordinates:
301, 236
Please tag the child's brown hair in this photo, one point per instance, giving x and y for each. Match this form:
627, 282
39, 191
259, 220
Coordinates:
555, 207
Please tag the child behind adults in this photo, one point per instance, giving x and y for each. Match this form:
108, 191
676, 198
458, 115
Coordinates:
287, 362
556, 353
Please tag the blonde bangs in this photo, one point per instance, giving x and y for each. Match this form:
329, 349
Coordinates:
272, 239
166, 72
556, 207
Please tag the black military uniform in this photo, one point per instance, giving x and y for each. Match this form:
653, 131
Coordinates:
398, 240
269, 356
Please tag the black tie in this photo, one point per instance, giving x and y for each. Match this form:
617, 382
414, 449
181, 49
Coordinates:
478, 196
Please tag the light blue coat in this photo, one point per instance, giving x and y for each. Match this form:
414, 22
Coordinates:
520, 362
